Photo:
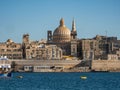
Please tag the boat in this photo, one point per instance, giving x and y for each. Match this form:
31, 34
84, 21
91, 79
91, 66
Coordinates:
83, 77
5, 68
5, 74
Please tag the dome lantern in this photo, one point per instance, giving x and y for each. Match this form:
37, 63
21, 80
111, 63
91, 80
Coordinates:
62, 22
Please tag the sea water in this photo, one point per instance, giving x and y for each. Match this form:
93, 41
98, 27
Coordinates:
61, 81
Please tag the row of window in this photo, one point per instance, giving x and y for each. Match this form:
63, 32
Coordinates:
10, 50
11, 55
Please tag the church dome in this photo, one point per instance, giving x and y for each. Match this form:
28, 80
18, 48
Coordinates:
61, 33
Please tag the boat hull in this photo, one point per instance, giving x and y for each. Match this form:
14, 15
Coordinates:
6, 74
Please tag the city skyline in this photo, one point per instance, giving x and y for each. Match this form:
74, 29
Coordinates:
35, 17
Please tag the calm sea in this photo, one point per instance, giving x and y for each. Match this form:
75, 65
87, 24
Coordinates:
61, 81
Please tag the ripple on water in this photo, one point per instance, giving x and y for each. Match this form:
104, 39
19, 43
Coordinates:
61, 81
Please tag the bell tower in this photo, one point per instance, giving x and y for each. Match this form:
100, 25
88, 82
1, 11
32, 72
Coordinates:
49, 36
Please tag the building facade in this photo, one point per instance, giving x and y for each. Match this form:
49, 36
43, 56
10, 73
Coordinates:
87, 48
99, 47
11, 50
39, 50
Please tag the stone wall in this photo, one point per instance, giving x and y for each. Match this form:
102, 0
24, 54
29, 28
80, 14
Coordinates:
57, 63
106, 65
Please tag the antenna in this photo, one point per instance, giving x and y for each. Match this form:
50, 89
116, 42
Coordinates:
106, 42
106, 35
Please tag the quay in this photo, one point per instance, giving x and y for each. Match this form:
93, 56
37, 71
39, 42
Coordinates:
43, 65
21, 65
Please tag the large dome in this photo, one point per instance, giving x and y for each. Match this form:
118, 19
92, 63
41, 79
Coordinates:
62, 33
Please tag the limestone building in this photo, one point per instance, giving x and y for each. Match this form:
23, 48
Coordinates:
64, 38
87, 48
39, 50
11, 50
99, 47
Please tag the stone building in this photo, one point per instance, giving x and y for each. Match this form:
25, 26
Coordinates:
39, 50
87, 48
64, 38
98, 47
48, 52
101, 50
106, 45
112, 57
11, 50
114, 46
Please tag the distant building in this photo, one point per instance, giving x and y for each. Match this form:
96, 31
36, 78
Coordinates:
87, 48
11, 50
38, 50
106, 45
48, 52
102, 47
98, 47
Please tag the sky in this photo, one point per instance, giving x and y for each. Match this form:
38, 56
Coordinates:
36, 17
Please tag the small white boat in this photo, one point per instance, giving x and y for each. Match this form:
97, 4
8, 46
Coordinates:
83, 77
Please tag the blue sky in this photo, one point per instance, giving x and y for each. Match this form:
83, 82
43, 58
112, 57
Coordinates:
35, 17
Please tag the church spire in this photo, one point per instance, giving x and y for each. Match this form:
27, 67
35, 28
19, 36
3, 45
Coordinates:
73, 31
73, 25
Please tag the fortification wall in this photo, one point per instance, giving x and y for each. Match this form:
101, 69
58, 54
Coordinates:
106, 65
57, 63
